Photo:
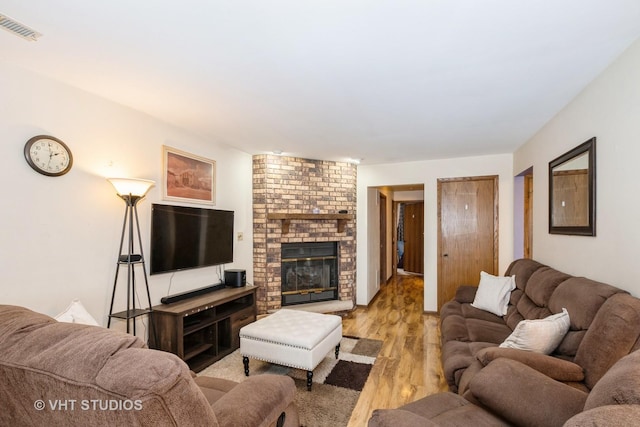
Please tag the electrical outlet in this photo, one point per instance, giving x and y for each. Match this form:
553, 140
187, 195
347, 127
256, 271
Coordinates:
240, 236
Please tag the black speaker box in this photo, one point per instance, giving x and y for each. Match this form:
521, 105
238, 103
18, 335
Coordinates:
235, 278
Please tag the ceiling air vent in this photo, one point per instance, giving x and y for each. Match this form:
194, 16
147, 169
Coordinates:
18, 29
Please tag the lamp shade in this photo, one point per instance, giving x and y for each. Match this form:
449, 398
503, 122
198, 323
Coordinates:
131, 187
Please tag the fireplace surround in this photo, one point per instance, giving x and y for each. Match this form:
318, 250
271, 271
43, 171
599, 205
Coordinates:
302, 201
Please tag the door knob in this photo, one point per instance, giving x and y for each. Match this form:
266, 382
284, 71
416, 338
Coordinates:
445, 255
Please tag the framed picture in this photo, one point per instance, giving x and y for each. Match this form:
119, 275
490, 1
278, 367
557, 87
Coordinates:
188, 178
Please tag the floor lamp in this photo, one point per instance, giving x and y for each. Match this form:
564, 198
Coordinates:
131, 191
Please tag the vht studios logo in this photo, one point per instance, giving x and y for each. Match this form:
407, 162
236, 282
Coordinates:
88, 405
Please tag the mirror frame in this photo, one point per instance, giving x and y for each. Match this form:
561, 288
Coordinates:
590, 229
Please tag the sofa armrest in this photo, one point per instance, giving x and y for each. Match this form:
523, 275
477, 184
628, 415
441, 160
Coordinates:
398, 418
553, 367
465, 294
257, 401
524, 396
607, 416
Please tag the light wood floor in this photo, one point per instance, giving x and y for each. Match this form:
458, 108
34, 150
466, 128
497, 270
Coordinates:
408, 366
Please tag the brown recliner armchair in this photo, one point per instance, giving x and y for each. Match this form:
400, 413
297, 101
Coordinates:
62, 374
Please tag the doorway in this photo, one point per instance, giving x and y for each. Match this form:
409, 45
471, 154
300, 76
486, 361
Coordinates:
467, 232
410, 237
528, 215
383, 239
523, 215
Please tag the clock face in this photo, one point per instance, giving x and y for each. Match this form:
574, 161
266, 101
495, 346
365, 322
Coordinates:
48, 155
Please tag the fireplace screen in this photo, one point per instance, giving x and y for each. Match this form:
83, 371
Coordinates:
309, 272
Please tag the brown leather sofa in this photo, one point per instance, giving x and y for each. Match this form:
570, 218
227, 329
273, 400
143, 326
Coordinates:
503, 386
63, 374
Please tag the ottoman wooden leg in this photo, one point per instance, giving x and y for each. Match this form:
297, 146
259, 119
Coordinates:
245, 361
309, 380
337, 350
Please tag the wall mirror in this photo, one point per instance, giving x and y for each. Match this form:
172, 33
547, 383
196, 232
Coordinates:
572, 191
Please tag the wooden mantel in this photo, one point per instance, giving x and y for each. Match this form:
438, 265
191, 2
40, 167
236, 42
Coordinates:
287, 217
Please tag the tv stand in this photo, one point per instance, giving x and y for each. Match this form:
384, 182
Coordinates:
190, 294
205, 328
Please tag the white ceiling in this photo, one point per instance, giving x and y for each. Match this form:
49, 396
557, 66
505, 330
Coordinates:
385, 81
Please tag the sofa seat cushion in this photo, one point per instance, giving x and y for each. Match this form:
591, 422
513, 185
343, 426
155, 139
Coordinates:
214, 388
484, 331
463, 322
457, 308
470, 312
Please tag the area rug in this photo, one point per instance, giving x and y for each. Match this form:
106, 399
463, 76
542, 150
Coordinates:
337, 383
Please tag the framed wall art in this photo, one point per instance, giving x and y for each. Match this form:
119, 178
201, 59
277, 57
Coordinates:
187, 177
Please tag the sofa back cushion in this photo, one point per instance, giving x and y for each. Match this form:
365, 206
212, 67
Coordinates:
534, 304
69, 350
582, 298
612, 335
523, 269
619, 386
542, 291
99, 376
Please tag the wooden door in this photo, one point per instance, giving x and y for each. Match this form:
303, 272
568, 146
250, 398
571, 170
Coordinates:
467, 232
383, 238
414, 237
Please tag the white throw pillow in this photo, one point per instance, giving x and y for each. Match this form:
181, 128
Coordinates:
539, 335
493, 293
76, 313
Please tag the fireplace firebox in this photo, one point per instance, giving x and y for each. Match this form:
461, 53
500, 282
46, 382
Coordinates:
309, 272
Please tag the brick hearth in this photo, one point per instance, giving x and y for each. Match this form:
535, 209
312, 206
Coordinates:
290, 185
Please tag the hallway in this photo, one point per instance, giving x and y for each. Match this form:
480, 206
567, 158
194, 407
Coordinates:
408, 366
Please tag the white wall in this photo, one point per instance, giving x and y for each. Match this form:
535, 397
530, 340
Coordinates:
369, 238
427, 173
60, 236
609, 109
408, 196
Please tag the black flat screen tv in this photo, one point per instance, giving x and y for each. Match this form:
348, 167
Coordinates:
185, 238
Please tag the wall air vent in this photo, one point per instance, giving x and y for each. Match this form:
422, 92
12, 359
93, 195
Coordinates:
18, 29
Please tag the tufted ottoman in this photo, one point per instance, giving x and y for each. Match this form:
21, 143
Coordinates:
298, 339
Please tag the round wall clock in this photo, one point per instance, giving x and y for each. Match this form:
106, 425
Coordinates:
48, 155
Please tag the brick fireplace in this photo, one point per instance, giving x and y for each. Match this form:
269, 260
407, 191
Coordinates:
300, 201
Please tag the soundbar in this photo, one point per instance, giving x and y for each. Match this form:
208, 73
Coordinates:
190, 294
